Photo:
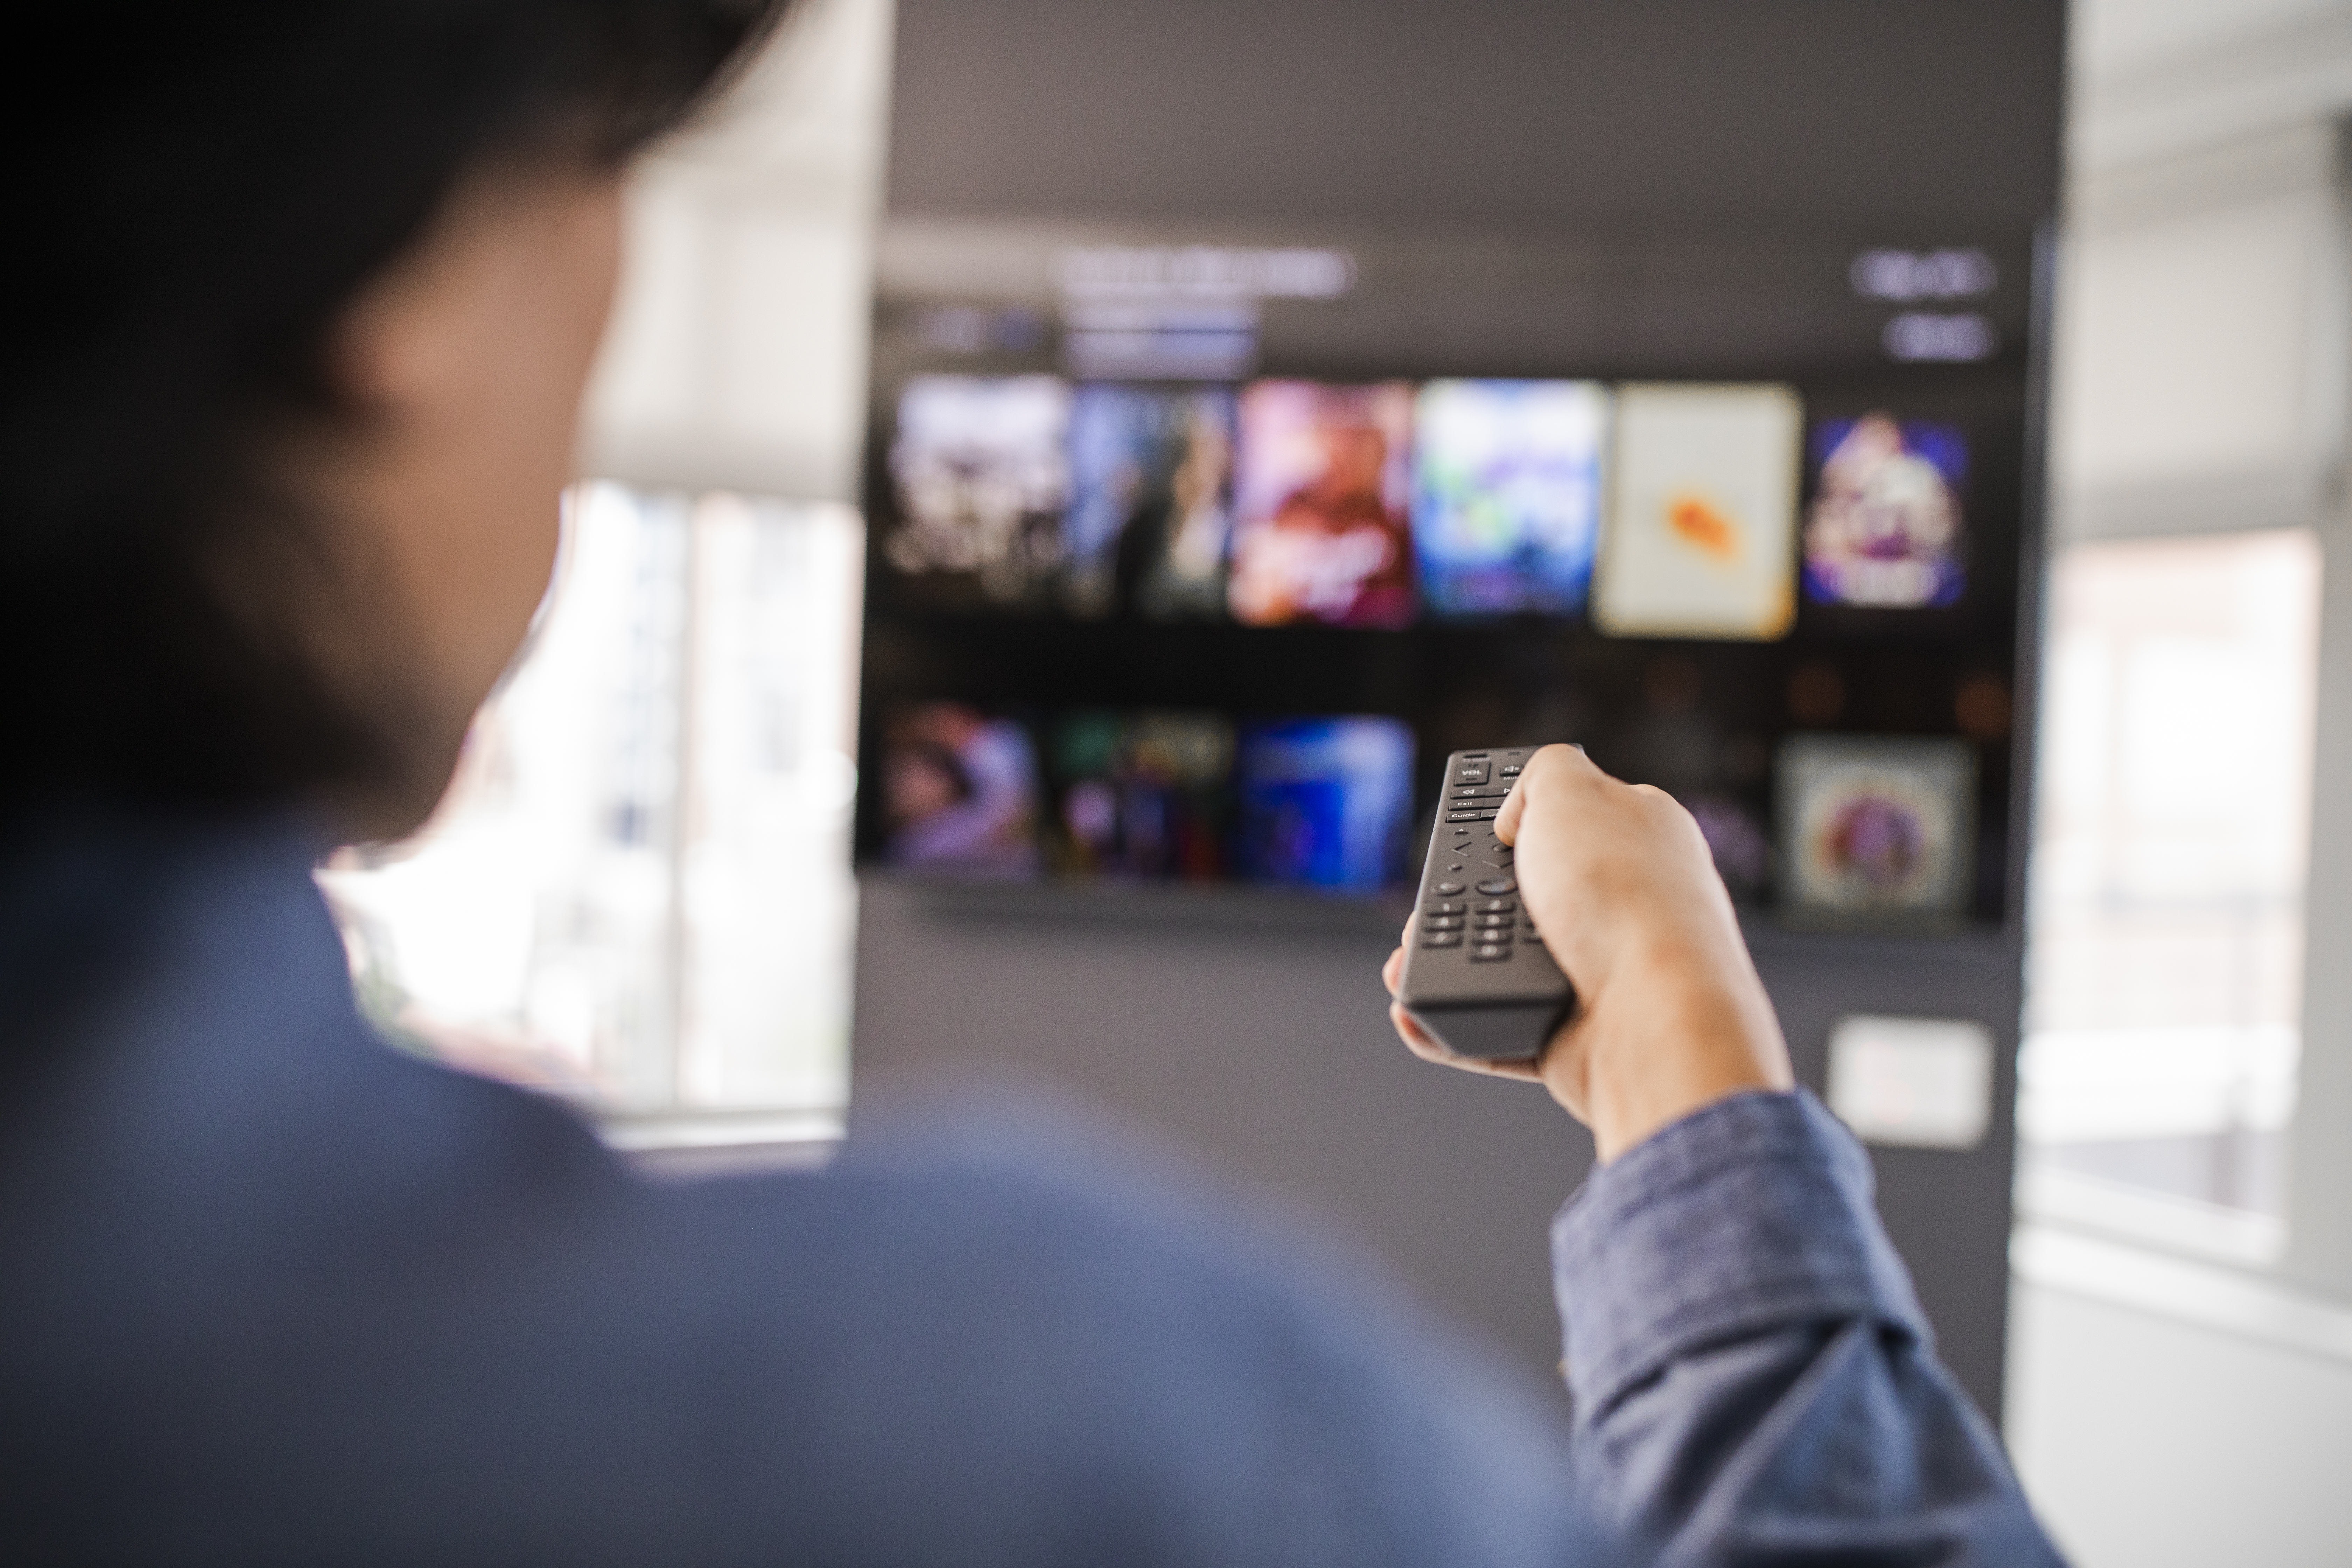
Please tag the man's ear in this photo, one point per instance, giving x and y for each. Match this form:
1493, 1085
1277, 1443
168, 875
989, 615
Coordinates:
394, 341
416, 325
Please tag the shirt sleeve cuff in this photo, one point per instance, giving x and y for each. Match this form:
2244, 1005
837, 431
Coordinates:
1749, 1216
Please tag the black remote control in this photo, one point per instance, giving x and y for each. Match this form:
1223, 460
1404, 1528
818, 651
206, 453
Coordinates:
1476, 974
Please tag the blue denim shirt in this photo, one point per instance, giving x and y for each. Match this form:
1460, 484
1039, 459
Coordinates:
272, 1293
1754, 1380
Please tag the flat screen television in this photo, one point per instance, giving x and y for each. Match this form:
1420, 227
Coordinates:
1269, 400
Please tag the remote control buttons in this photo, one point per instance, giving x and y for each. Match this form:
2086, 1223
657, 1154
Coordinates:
1470, 773
1496, 887
1448, 889
1508, 770
1441, 939
1493, 906
1441, 908
1489, 952
1441, 923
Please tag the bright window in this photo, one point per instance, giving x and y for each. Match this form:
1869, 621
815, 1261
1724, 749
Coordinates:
2166, 963
637, 892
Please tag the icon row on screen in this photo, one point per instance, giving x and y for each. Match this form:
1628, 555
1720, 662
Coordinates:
1660, 509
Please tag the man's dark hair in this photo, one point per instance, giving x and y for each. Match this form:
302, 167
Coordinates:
207, 189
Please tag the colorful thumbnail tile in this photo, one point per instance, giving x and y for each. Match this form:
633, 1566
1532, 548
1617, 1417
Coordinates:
1151, 513
1507, 494
1324, 479
1144, 795
981, 469
1877, 826
1701, 533
1885, 529
1325, 803
960, 792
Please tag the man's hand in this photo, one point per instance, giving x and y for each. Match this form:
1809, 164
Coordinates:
1671, 1014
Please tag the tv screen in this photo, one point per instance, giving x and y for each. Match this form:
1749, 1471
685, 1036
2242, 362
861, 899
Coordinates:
1240, 444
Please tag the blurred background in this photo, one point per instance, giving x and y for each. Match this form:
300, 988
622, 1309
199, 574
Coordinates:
1031, 567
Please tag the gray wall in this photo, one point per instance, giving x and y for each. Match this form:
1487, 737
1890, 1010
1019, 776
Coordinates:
1252, 1030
